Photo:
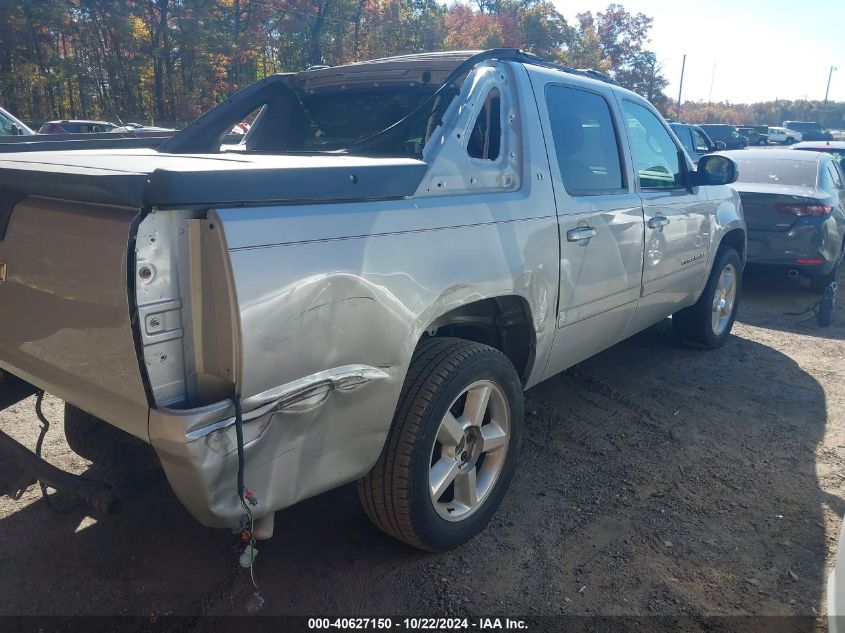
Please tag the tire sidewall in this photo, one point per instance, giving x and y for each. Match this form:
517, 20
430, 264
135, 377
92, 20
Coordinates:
440, 533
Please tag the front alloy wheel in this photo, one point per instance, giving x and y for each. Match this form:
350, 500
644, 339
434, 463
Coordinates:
708, 322
723, 299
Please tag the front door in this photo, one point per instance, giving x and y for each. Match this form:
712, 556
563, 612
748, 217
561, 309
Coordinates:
677, 218
600, 223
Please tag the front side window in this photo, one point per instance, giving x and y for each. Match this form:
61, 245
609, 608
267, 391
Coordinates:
656, 155
683, 134
585, 141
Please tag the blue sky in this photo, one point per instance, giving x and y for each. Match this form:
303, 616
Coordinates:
761, 50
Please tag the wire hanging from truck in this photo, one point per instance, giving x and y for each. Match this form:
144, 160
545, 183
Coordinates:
246, 497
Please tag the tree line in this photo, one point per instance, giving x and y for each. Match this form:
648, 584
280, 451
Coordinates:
167, 61
830, 114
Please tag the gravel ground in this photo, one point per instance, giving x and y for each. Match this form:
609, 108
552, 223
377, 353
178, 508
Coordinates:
654, 480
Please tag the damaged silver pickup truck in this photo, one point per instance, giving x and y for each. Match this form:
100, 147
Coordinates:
363, 287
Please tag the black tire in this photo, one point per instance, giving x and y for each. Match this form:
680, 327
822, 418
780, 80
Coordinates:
790, 140
693, 325
395, 494
105, 445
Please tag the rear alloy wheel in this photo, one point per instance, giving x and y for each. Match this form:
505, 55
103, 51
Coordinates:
708, 323
452, 448
467, 456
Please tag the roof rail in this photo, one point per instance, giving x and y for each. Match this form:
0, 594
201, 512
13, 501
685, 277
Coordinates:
515, 54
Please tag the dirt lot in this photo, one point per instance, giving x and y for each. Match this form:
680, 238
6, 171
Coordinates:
655, 480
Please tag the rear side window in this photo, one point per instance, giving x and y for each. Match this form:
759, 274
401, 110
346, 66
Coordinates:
656, 155
486, 136
585, 141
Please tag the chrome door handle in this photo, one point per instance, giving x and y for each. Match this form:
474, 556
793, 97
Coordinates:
581, 233
658, 222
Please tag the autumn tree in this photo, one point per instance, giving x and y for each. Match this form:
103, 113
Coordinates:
166, 61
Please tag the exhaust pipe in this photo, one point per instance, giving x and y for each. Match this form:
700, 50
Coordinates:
20, 468
792, 273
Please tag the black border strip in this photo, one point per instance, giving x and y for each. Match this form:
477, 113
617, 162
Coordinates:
132, 302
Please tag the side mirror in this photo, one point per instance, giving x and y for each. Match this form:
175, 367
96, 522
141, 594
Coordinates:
16, 131
720, 146
714, 169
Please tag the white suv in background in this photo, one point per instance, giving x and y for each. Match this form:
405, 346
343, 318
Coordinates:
784, 135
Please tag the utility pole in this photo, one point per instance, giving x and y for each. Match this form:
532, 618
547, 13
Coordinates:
827, 90
681, 88
710, 96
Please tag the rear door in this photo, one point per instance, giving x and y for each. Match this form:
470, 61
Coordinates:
677, 217
600, 221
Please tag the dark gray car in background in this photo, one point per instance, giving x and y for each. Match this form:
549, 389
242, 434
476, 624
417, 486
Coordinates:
725, 133
794, 204
695, 140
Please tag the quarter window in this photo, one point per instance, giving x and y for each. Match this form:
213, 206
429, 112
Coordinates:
486, 136
585, 141
656, 155
835, 178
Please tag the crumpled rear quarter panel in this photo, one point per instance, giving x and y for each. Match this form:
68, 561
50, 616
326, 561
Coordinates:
363, 296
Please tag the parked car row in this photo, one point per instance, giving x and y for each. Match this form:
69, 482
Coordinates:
738, 137
794, 201
11, 126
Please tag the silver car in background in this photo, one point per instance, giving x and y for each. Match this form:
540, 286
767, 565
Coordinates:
794, 205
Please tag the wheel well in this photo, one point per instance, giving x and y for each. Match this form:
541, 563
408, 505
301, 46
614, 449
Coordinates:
735, 239
500, 322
